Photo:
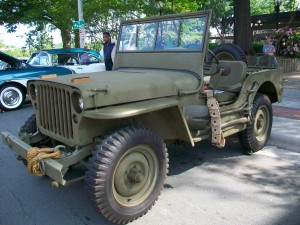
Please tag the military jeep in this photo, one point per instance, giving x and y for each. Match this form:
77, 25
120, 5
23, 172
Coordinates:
117, 124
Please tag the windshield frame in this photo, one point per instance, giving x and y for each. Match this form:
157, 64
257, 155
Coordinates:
203, 18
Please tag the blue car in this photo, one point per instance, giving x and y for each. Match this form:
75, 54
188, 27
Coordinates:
14, 74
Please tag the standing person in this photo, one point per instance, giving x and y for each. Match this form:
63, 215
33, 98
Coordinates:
270, 50
269, 47
85, 58
109, 48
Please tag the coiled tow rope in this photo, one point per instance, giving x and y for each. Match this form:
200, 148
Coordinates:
35, 155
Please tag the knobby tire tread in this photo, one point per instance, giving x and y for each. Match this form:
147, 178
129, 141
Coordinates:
97, 174
246, 137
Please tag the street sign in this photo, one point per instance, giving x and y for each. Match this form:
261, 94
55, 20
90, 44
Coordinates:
82, 33
82, 37
78, 25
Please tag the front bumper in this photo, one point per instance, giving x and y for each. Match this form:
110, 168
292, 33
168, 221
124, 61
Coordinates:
52, 168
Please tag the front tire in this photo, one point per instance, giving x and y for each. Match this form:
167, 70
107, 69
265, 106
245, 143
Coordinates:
11, 97
257, 133
126, 173
29, 127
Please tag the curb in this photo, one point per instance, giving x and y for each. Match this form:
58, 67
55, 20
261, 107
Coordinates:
285, 134
284, 142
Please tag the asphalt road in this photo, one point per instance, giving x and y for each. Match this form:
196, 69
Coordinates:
205, 186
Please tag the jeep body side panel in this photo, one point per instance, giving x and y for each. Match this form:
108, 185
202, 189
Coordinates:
268, 82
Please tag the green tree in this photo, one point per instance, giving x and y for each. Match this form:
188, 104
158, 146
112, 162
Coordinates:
39, 13
222, 14
259, 7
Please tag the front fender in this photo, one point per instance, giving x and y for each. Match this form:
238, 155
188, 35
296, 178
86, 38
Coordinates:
131, 109
22, 82
162, 115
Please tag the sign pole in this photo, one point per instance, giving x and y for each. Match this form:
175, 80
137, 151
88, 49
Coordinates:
80, 18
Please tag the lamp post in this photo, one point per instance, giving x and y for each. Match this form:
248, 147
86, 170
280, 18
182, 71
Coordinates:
160, 5
277, 4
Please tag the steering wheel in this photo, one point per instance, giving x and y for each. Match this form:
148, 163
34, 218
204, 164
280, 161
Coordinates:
214, 56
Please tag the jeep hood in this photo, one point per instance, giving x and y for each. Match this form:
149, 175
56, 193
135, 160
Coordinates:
123, 86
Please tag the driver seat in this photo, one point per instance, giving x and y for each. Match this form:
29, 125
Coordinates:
228, 87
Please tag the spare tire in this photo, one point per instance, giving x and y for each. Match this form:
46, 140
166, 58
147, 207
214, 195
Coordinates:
228, 52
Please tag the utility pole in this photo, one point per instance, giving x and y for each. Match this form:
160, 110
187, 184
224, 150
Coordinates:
81, 30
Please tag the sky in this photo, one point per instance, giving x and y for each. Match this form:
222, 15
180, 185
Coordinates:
18, 38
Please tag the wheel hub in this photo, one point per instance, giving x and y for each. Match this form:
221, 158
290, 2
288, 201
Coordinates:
10, 97
135, 175
260, 122
260, 125
131, 173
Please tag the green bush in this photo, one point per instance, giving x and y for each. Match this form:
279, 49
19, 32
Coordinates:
212, 45
288, 42
258, 46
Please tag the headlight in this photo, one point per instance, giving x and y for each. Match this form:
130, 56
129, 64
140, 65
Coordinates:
80, 102
33, 91
77, 102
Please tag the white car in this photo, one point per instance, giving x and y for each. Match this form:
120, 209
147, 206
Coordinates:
79, 60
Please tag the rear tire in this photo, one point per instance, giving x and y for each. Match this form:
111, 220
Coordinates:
257, 133
126, 173
11, 97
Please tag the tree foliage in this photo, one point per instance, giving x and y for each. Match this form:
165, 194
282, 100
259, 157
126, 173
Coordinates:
222, 14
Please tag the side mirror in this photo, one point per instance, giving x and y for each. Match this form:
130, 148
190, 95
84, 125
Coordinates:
223, 68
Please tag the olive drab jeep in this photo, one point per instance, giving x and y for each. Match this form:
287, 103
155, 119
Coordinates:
117, 124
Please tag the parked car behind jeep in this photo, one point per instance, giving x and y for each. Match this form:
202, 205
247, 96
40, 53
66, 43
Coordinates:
78, 59
14, 75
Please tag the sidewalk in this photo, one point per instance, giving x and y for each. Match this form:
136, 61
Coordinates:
286, 121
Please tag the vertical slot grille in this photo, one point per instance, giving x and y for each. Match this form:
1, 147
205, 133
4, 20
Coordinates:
54, 104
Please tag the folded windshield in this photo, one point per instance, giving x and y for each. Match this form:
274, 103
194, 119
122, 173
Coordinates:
179, 34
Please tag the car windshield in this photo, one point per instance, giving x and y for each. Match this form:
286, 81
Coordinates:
39, 59
178, 35
2, 65
13, 66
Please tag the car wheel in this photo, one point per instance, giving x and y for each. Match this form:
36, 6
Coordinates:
11, 97
257, 133
126, 173
229, 52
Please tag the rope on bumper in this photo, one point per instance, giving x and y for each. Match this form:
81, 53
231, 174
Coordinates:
35, 155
